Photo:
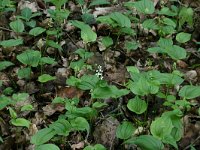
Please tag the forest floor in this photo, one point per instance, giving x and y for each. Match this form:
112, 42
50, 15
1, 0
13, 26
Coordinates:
99, 74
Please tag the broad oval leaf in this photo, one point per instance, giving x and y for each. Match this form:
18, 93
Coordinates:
30, 57
43, 136
17, 25
37, 31
125, 130
122, 20
190, 91
146, 142
47, 147
45, 78
21, 122
80, 123
5, 64
137, 105
176, 52
145, 6
183, 37
161, 127
86, 31
11, 42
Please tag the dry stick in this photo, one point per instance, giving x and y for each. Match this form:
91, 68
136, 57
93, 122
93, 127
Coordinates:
192, 143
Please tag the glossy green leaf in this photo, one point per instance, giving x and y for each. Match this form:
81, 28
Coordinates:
4, 101
5, 64
43, 136
137, 105
17, 26
21, 122
37, 31
145, 6
47, 147
11, 42
12, 113
45, 78
146, 142
183, 37
125, 130
30, 57
27, 107
189, 91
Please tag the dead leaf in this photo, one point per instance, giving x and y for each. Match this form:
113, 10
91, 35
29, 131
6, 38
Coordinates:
77, 146
69, 92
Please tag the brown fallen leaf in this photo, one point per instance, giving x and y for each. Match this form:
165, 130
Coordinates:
78, 146
69, 92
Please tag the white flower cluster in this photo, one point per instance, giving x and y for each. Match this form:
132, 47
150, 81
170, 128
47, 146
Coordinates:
99, 72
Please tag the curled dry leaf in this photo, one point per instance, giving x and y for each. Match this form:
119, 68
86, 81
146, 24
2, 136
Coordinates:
69, 92
77, 146
32, 5
191, 76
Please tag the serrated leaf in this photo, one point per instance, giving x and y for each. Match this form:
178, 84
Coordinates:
26, 13
37, 31
11, 42
150, 24
45, 78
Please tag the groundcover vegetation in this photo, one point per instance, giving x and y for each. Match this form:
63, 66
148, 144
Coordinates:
99, 74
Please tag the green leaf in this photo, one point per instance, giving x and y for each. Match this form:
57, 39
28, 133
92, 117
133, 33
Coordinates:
43, 136
5, 64
169, 22
122, 20
133, 45
26, 13
21, 122
1, 140
54, 45
12, 113
145, 6
99, 105
86, 31
125, 130
186, 16
183, 37
61, 127
28, 107
161, 127
45, 78
17, 26
150, 24
107, 41
30, 57
166, 11
81, 124
58, 3
137, 105
47, 60
146, 142
176, 52
20, 97
47, 147
189, 91
24, 73
4, 101
95, 147
36, 31
11, 42
99, 2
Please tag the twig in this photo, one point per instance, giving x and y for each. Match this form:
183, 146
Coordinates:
5, 29
192, 143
